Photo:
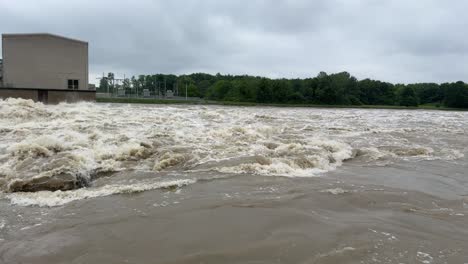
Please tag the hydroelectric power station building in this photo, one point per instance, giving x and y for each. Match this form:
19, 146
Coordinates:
44, 67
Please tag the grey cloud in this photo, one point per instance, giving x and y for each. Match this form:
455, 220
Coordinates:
398, 41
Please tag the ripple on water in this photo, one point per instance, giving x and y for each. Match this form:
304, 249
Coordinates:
67, 146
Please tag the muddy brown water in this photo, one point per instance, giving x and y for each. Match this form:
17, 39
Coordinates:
234, 185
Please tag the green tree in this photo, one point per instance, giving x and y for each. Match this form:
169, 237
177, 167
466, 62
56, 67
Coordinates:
263, 93
327, 92
104, 85
339, 88
280, 91
111, 82
141, 84
456, 95
126, 85
309, 91
192, 90
428, 93
408, 97
135, 84
246, 88
219, 90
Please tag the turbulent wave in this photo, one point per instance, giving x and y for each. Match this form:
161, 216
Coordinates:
57, 198
67, 146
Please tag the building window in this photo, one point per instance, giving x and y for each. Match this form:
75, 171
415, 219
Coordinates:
73, 84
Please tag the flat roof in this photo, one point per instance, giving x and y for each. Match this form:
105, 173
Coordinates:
42, 35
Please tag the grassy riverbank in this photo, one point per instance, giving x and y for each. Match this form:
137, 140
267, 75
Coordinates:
206, 102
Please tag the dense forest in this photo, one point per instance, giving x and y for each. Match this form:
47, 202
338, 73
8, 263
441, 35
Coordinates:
331, 89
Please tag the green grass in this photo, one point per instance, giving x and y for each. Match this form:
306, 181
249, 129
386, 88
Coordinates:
230, 103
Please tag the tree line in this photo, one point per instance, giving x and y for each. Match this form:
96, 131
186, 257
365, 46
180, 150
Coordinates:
328, 89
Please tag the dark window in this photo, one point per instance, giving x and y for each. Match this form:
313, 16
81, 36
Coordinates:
73, 84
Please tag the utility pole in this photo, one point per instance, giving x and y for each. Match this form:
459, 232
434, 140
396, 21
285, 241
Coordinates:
186, 98
104, 78
115, 83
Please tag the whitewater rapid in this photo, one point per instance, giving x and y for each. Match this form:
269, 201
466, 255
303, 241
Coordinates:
54, 154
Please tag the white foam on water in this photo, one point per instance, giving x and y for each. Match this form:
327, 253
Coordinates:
52, 143
57, 198
335, 191
29, 227
424, 257
341, 251
336, 252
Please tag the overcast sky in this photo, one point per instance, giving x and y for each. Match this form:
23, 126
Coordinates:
392, 40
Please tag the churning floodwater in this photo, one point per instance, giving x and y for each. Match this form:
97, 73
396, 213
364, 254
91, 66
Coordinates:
122, 183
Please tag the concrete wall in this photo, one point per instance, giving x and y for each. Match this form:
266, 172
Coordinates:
43, 61
17, 93
1, 72
52, 96
56, 97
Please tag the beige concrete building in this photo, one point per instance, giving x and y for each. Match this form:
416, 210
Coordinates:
45, 67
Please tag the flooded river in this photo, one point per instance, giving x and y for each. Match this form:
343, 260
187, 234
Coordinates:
118, 183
